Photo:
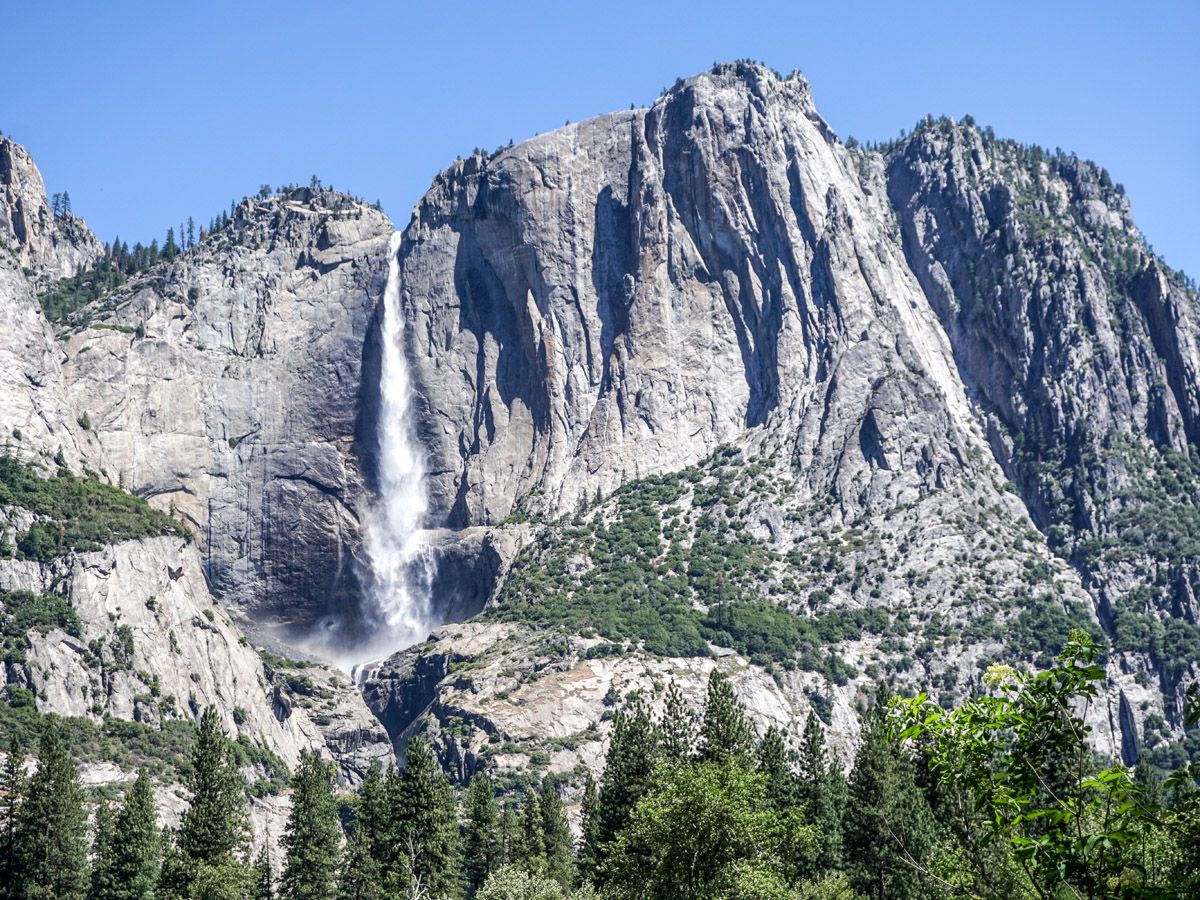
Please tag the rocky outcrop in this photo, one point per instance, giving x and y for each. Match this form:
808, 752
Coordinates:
492, 695
1082, 353
229, 385
152, 646
49, 245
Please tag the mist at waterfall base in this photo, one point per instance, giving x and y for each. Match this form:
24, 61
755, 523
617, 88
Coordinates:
399, 567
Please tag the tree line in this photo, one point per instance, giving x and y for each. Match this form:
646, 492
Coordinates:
1001, 797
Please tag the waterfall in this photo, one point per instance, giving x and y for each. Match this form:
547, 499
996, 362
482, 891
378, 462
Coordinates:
398, 586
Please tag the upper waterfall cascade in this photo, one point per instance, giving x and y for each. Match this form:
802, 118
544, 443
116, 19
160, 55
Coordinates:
399, 569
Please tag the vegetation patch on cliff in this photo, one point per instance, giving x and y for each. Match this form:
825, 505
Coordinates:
73, 513
164, 751
22, 612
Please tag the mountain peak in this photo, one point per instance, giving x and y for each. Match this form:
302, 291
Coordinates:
52, 242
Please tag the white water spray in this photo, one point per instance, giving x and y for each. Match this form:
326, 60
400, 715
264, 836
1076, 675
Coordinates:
400, 571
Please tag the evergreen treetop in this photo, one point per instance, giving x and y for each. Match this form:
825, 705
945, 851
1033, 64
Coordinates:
312, 839
50, 842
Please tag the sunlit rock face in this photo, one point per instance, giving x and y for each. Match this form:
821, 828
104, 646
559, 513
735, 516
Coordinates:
233, 384
951, 362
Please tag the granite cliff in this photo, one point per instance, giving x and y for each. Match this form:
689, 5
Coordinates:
695, 364
122, 631
698, 385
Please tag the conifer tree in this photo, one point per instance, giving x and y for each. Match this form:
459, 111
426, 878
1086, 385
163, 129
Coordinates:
821, 790
725, 735
678, 726
556, 835
212, 846
264, 878
773, 762
375, 820
813, 764
482, 843
633, 752
888, 827
530, 852
12, 788
427, 823
215, 825
102, 830
313, 836
128, 866
50, 843
359, 876
510, 833
588, 839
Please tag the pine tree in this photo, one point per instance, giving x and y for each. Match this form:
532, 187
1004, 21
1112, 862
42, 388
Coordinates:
215, 825
102, 886
633, 752
678, 726
888, 828
191, 232
264, 878
428, 823
127, 866
359, 876
588, 838
556, 836
510, 833
815, 766
482, 843
212, 845
50, 851
773, 762
821, 790
313, 836
374, 818
530, 851
725, 735
12, 788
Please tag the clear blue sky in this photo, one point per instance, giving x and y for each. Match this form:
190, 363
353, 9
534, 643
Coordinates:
149, 112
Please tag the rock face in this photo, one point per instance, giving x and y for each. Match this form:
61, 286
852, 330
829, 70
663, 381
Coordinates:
618, 297
700, 387
35, 414
1081, 352
52, 246
953, 366
151, 646
229, 385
